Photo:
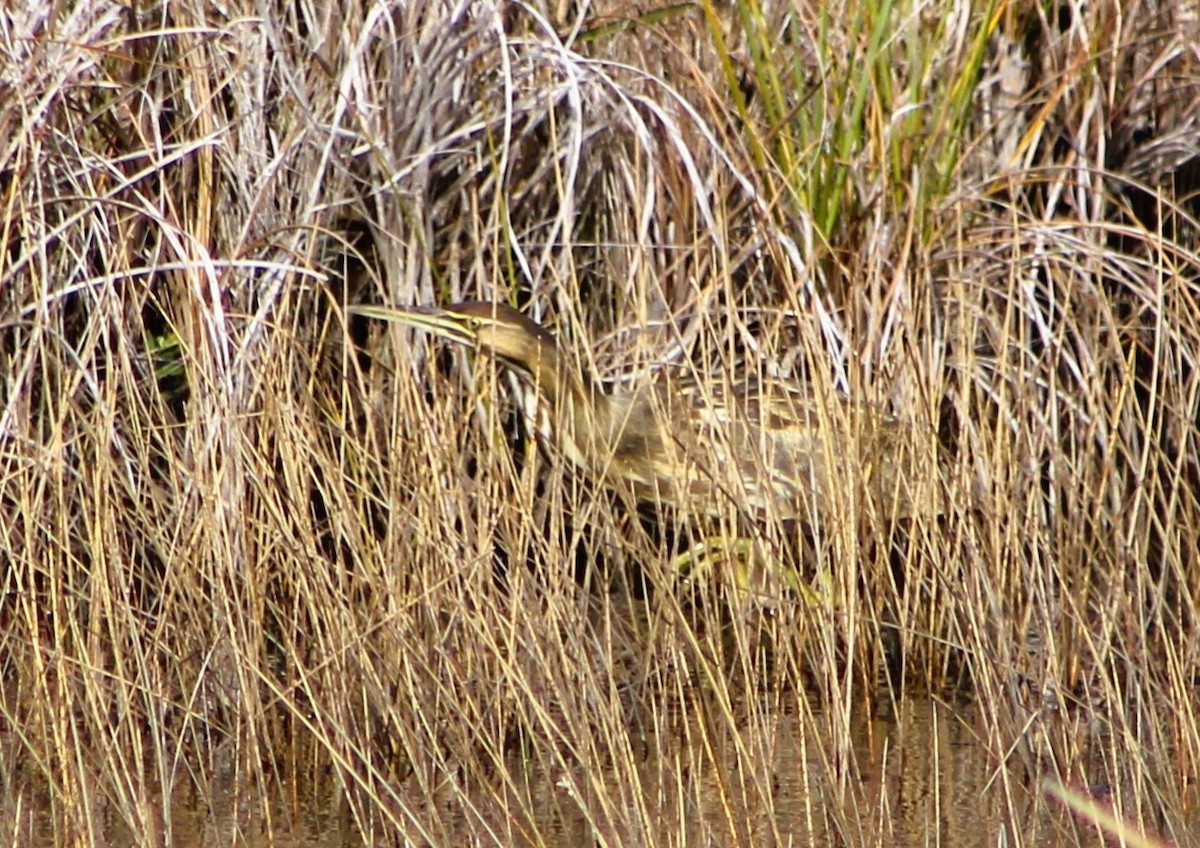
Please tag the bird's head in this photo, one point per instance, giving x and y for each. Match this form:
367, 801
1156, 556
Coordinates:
491, 328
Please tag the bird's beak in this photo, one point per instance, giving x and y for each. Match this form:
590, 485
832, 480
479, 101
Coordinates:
440, 322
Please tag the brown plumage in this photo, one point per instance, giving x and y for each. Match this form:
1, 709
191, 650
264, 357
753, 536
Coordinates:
763, 447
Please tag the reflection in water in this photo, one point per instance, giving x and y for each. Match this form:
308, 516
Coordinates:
918, 777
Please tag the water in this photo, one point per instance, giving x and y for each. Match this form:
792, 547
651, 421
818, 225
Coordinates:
921, 776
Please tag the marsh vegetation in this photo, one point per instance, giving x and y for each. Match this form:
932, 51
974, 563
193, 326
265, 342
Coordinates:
251, 549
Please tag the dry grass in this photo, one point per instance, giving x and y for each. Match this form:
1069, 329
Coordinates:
242, 540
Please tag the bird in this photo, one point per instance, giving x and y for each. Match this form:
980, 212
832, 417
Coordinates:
759, 446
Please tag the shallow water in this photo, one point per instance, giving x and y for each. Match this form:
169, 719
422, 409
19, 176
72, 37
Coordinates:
918, 777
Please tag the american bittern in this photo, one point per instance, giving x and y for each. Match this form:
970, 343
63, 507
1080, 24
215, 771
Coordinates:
758, 445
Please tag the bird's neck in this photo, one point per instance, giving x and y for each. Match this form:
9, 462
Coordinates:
569, 388
574, 400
